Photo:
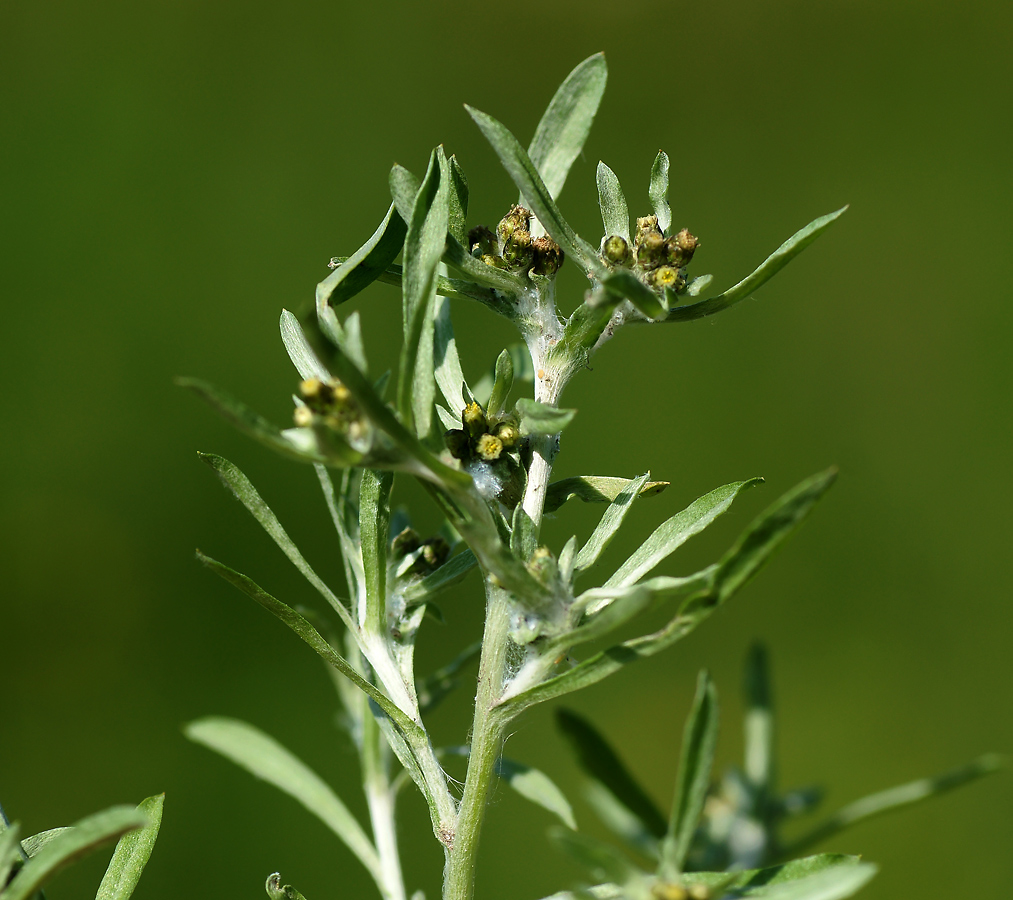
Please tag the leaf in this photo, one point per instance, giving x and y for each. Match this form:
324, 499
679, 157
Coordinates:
262, 756
567, 557
364, 266
80, 839
539, 418
897, 798
449, 375
301, 626
594, 489
619, 820
673, 533
658, 191
246, 493
615, 214
624, 284
432, 689
423, 248
764, 272
609, 524
374, 528
445, 577
566, 122
277, 891
599, 859
536, 786
306, 362
458, 214
523, 534
534, 192
600, 762
10, 851
830, 884
131, 854
503, 382
698, 744
759, 732
32, 845
754, 879
524, 372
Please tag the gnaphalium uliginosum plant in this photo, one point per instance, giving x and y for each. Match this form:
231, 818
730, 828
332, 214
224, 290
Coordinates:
486, 461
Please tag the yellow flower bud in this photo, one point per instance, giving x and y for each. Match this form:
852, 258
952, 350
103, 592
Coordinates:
489, 447
474, 420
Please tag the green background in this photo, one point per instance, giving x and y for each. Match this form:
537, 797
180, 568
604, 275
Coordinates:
174, 173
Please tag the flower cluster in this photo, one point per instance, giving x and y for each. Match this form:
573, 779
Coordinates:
512, 246
661, 262
331, 404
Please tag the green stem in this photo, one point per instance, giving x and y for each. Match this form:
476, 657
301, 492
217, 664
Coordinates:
380, 800
486, 741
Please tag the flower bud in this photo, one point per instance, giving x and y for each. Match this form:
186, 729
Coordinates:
311, 389
489, 447
474, 420
509, 435
683, 247
651, 251
517, 219
406, 542
665, 891
645, 225
517, 250
548, 256
666, 277
303, 416
699, 892
543, 565
482, 242
458, 443
435, 551
616, 251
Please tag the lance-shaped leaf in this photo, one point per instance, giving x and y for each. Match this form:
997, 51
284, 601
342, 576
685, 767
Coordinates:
301, 626
658, 191
595, 489
523, 534
364, 266
261, 755
305, 360
374, 528
449, 375
10, 850
759, 766
536, 195
453, 288
340, 508
524, 372
33, 844
536, 786
539, 418
764, 272
751, 880
716, 584
830, 884
244, 491
897, 798
601, 860
602, 763
624, 284
132, 854
457, 223
445, 577
615, 215
423, 248
77, 841
433, 688
566, 122
502, 384
567, 557
609, 523
698, 744
673, 533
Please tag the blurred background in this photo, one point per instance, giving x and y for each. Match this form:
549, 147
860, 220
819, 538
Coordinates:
177, 172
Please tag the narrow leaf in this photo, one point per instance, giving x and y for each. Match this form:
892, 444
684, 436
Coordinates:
79, 840
759, 731
624, 284
445, 577
830, 884
262, 756
132, 854
10, 851
619, 820
698, 744
566, 122
524, 372
277, 891
536, 786
594, 489
523, 534
764, 272
609, 523
601, 860
306, 362
449, 375
503, 382
753, 879
364, 266
32, 845
615, 214
458, 215
658, 191
538, 418
600, 762
374, 528
536, 195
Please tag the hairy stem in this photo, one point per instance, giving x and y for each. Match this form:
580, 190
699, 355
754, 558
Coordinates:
486, 740
380, 799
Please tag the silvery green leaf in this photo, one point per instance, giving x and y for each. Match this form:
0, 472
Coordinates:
897, 798
536, 786
601, 860
699, 741
304, 359
603, 765
759, 767
752, 880
524, 372
261, 755
446, 576
277, 891
10, 851
449, 375
339, 506
673, 533
33, 844
619, 820
524, 534
364, 266
449, 421
433, 688
567, 557
566, 122
404, 188
830, 884
606, 619
457, 222
538, 418
764, 272
695, 285
301, 626
69, 846
609, 524
536, 195
502, 384
615, 214
658, 191
423, 248
131, 854
374, 528
594, 489
623, 283
247, 494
